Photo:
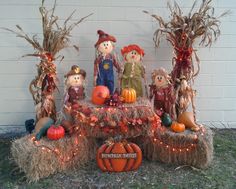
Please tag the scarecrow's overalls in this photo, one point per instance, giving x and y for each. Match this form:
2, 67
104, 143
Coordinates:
105, 75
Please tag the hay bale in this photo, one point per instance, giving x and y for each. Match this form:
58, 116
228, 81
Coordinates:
187, 148
110, 121
43, 158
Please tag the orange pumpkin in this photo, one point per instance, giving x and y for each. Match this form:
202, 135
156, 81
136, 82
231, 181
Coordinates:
119, 157
177, 127
55, 132
129, 95
100, 94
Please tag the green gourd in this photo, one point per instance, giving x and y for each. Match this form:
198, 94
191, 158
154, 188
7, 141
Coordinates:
166, 120
43, 131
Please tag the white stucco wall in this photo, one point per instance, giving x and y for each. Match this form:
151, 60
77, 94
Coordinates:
216, 84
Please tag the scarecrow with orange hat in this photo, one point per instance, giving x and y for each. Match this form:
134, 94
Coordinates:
105, 60
134, 71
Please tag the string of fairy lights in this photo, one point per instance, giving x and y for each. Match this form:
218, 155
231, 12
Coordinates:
179, 148
94, 123
156, 140
56, 151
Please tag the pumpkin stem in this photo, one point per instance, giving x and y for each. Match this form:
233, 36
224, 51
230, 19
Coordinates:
118, 138
109, 141
115, 139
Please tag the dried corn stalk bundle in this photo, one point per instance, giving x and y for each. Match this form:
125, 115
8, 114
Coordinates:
55, 38
182, 31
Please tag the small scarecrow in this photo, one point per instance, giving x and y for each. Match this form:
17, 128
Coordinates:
105, 60
75, 86
162, 91
134, 71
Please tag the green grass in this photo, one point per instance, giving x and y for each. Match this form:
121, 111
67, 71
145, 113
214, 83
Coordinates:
221, 174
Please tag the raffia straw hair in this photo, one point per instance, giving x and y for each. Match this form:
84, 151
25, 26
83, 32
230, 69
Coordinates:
162, 72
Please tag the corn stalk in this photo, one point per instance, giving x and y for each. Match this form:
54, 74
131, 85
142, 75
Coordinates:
181, 31
55, 38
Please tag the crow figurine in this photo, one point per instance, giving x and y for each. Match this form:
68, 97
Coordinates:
29, 125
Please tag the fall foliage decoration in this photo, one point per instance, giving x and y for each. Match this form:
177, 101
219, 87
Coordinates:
55, 38
127, 120
129, 95
119, 156
114, 100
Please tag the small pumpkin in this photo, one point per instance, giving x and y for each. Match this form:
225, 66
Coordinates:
55, 132
119, 156
177, 127
100, 94
129, 95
